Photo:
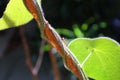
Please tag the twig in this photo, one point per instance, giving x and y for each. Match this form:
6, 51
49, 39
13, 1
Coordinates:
27, 53
40, 58
63, 39
54, 65
49, 34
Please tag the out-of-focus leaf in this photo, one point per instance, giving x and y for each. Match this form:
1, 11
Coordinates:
65, 32
78, 33
99, 57
94, 27
103, 24
16, 14
84, 27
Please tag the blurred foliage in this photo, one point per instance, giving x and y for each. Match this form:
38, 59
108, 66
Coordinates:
77, 31
75, 18
82, 18
65, 32
94, 17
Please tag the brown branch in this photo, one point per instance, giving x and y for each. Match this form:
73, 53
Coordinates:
27, 53
54, 65
40, 58
70, 61
49, 34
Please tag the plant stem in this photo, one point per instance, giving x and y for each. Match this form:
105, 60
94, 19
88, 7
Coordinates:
40, 58
27, 53
49, 34
54, 65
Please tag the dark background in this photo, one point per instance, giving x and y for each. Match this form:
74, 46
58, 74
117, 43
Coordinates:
65, 13
60, 14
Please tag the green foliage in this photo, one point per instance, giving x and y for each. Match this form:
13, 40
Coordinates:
77, 31
65, 32
99, 57
103, 24
84, 27
16, 14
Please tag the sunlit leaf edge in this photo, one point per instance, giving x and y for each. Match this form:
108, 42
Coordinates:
90, 39
15, 15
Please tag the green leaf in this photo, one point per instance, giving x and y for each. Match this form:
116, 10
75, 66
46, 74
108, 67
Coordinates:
99, 57
16, 14
78, 33
103, 24
66, 32
84, 27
